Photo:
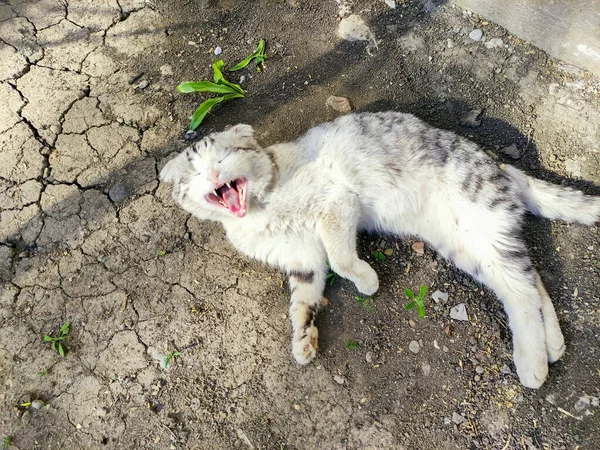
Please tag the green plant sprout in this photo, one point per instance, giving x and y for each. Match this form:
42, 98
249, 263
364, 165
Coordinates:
43, 373
56, 341
219, 86
171, 357
365, 302
351, 344
416, 300
258, 56
6, 441
379, 256
331, 276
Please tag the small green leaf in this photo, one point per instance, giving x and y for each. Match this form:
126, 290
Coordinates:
421, 309
48, 338
61, 350
351, 344
220, 79
258, 56
206, 106
410, 294
410, 306
25, 405
205, 86
161, 253
423, 291
53, 345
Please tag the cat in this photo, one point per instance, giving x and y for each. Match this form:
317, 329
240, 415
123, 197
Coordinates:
299, 205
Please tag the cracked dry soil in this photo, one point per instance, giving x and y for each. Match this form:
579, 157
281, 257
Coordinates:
88, 235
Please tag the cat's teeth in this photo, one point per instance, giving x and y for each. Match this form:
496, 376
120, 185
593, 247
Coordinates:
215, 192
227, 184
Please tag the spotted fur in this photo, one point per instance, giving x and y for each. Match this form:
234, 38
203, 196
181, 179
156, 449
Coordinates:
389, 173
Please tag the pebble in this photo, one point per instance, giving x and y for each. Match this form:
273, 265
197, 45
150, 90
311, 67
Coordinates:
56, 129
144, 84
450, 43
512, 151
418, 247
134, 78
369, 357
37, 404
189, 135
218, 50
391, 3
476, 34
459, 312
166, 70
457, 418
426, 368
479, 370
414, 346
388, 252
118, 193
435, 344
472, 119
494, 42
477, 378
440, 297
505, 370
339, 104
412, 323
339, 380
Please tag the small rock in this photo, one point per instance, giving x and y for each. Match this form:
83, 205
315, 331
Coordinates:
412, 323
166, 70
418, 247
551, 398
242, 79
459, 312
391, 3
450, 43
369, 357
435, 344
189, 135
218, 50
505, 370
118, 193
56, 129
494, 42
477, 378
339, 380
512, 151
426, 368
134, 78
569, 68
582, 403
479, 370
37, 404
445, 349
339, 104
440, 297
388, 252
472, 119
476, 34
457, 418
414, 346
144, 84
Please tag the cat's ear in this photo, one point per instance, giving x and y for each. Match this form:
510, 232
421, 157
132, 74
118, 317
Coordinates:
172, 170
243, 135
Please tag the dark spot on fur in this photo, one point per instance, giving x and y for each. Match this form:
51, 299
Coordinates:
478, 183
467, 183
497, 201
302, 277
188, 156
312, 314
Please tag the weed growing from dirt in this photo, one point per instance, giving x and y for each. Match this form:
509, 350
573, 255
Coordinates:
43, 373
331, 276
171, 357
6, 441
258, 56
220, 85
379, 256
56, 341
416, 300
365, 302
351, 344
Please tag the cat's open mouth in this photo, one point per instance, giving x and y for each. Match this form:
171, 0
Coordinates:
231, 196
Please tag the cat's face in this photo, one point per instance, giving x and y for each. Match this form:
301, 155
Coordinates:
217, 177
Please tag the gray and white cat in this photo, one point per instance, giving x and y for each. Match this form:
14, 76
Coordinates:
300, 204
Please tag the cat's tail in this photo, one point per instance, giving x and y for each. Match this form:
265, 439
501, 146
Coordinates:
555, 202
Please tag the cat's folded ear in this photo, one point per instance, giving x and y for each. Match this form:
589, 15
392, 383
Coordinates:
243, 135
172, 171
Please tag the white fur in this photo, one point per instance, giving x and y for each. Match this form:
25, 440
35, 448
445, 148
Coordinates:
391, 173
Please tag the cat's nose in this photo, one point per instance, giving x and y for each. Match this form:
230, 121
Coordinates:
214, 178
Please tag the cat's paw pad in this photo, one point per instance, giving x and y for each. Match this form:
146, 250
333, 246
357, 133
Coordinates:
366, 281
304, 346
532, 367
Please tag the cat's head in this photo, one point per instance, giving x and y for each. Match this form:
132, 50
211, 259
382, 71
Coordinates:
220, 176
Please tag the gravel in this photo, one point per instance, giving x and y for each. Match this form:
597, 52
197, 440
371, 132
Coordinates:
476, 34
414, 346
459, 312
339, 379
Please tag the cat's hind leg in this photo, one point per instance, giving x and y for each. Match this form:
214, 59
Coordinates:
505, 267
555, 342
307, 297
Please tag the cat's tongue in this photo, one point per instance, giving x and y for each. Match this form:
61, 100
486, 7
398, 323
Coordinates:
232, 198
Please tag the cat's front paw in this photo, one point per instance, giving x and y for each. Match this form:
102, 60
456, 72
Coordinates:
366, 280
304, 345
555, 342
532, 366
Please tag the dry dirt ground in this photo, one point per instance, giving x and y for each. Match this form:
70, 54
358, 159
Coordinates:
88, 235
